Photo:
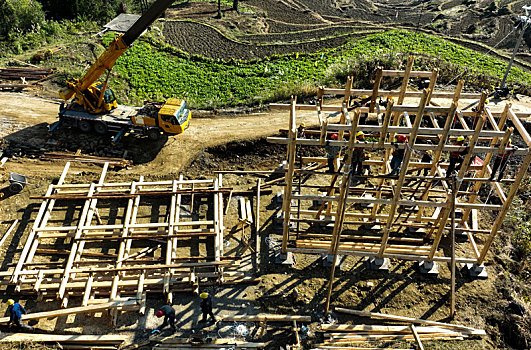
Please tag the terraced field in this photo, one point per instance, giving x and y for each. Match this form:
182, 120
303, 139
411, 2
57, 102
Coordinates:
200, 39
271, 23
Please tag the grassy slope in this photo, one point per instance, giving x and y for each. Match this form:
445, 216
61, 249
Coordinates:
153, 70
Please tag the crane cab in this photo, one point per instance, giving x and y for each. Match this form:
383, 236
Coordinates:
174, 116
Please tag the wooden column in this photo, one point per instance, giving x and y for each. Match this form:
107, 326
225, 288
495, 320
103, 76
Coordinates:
286, 204
403, 171
343, 194
445, 212
375, 89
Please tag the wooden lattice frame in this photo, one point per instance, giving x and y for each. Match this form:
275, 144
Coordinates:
93, 275
489, 135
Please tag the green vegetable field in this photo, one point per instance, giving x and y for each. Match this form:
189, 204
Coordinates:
156, 71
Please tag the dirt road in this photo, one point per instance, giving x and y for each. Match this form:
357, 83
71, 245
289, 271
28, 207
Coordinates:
24, 118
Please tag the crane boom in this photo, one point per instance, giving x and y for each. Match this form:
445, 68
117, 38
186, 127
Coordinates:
116, 48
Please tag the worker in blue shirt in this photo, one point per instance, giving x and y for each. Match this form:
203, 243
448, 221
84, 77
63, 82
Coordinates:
15, 314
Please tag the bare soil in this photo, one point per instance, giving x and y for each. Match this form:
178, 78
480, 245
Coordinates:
236, 141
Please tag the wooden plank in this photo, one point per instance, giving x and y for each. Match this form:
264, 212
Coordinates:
257, 241
408, 320
8, 232
72, 311
48, 338
417, 338
267, 317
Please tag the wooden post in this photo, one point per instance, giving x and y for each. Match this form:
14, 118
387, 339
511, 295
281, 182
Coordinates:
433, 80
445, 212
403, 171
292, 146
416, 336
8, 232
377, 81
452, 262
340, 216
257, 226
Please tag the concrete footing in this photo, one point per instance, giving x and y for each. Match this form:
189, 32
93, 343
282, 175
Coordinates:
476, 271
378, 264
284, 259
429, 268
328, 260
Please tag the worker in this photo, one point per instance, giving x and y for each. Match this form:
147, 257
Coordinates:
458, 156
206, 307
332, 153
398, 154
358, 155
501, 161
169, 318
301, 131
15, 315
427, 157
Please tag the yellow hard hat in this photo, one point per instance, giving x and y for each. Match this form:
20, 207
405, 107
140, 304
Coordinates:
203, 295
360, 133
303, 125
364, 97
460, 138
510, 142
369, 155
429, 151
10, 302
486, 102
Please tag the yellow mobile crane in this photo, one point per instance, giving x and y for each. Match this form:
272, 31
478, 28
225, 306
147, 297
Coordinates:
94, 107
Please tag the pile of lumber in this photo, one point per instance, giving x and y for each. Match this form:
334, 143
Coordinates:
83, 158
344, 335
28, 73
109, 342
184, 343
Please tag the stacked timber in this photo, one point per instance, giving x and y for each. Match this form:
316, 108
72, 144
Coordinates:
184, 343
102, 342
343, 334
28, 73
338, 336
84, 158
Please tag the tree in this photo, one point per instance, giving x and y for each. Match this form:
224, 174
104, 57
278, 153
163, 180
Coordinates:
235, 5
20, 16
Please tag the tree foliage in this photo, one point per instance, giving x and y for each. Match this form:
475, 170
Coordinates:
20, 16
100, 11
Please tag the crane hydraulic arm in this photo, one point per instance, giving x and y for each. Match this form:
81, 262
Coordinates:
108, 58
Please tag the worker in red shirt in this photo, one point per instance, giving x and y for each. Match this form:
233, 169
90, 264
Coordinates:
458, 156
398, 154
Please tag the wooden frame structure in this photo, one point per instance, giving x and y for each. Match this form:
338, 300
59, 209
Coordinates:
406, 201
103, 241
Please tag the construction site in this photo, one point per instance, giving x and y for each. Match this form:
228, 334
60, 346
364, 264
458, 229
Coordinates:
372, 214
